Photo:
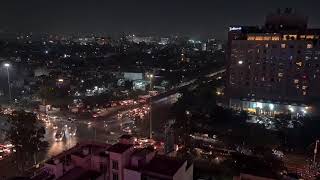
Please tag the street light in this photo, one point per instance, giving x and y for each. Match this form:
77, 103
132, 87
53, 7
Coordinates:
150, 76
315, 151
7, 66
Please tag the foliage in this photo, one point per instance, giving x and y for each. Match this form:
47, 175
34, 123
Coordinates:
206, 117
27, 135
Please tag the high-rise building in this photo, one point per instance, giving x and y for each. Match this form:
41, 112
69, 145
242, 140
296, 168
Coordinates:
276, 67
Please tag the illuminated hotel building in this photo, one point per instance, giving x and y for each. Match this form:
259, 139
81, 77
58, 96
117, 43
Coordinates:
274, 68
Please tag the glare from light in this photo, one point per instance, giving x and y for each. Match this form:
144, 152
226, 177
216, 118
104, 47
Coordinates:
291, 109
259, 105
271, 106
6, 65
150, 75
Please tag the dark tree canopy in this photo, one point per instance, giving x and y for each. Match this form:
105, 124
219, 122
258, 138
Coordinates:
26, 133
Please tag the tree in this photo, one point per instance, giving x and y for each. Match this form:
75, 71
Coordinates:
45, 93
182, 114
27, 135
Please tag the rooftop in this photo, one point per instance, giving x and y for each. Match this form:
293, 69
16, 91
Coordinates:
163, 165
78, 173
142, 152
120, 148
92, 149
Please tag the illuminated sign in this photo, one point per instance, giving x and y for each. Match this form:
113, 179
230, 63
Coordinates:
235, 28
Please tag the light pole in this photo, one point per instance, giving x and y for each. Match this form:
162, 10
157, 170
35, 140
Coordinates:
315, 151
7, 66
150, 76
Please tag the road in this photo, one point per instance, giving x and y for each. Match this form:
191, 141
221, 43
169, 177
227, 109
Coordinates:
99, 132
104, 129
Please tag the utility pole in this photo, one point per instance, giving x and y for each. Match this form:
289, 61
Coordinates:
7, 66
315, 153
150, 76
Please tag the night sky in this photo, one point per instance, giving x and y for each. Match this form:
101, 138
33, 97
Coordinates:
192, 17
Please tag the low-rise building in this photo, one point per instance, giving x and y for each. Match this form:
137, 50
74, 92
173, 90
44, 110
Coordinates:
121, 161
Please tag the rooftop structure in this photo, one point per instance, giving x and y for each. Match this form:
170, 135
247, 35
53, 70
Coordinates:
120, 161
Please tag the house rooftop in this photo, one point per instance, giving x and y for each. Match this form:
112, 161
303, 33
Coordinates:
142, 152
120, 148
163, 165
79, 173
92, 149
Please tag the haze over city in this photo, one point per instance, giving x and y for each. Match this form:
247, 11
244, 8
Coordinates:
199, 19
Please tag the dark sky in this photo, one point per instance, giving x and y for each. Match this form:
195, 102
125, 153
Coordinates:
193, 17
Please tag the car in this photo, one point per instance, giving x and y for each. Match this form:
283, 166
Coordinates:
59, 136
73, 132
127, 130
71, 119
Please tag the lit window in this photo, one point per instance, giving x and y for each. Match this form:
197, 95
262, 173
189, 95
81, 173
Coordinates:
315, 57
304, 93
283, 45
267, 45
259, 38
251, 38
304, 87
296, 81
309, 46
240, 62
310, 37
267, 38
290, 37
299, 64
275, 38
302, 36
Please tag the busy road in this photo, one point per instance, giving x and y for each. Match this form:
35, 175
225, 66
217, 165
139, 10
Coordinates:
63, 133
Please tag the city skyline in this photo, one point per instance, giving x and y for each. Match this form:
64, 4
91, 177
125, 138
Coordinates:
207, 18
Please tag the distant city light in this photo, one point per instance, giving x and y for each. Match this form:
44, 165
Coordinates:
259, 105
291, 109
271, 106
235, 28
304, 111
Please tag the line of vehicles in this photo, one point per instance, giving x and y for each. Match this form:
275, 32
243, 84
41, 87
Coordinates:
65, 132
